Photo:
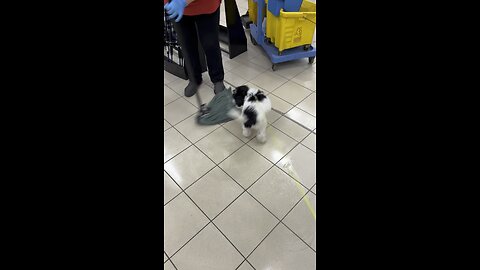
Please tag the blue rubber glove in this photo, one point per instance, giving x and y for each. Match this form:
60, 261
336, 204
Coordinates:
175, 9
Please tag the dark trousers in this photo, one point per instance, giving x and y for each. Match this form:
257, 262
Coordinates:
205, 27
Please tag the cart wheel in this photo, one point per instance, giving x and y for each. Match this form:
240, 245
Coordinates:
253, 40
311, 59
274, 67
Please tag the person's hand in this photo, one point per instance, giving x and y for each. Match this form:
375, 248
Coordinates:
175, 9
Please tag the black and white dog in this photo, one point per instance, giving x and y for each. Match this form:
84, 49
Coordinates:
254, 107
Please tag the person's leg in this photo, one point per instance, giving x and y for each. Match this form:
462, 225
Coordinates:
188, 39
208, 30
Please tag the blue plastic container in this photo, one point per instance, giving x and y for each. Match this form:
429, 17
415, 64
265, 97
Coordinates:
292, 5
274, 6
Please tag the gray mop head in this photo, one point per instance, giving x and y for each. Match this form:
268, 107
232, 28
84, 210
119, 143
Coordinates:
217, 111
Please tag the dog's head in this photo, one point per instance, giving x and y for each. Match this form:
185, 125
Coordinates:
239, 95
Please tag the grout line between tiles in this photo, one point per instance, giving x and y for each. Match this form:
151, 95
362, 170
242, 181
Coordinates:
164, 105
244, 143
211, 220
169, 260
217, 165
281, 220
296, 106
168, 127
246, 191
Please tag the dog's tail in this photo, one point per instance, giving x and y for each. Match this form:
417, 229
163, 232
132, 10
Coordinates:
236, 114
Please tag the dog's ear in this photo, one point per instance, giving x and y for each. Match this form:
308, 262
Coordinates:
260, 96
239, 95
241, 90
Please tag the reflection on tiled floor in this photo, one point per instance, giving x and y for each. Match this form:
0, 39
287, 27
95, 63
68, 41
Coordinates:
230, 202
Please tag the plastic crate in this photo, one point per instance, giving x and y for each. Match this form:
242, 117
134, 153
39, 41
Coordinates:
274, 6
253, 10
292, 5
292, 29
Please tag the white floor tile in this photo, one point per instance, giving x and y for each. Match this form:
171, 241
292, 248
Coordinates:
209, 250
303, 118
291, 69
247, 72
168, 266
178, 86
245, 266
170, 189
246, 166
178, 110
309, 105
311, 142
303, 222
291, 128
169, 95
307, 79
277, 191
218, 183
166, 125
246, 223
279, 104
173, 144
276, 147
234, 79
219, 144
283, 250
168, 77
181, 221
269, 81
292, 92
303, 161
188, 166
192, 130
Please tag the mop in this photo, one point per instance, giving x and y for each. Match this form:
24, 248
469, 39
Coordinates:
217, 110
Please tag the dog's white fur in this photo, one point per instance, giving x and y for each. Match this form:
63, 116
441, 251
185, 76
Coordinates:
261, 108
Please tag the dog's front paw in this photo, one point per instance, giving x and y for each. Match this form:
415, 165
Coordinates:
262, 138
246, 132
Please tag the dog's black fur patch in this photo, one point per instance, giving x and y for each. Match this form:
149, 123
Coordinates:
257, 97
260, 96
251, 116
239, 95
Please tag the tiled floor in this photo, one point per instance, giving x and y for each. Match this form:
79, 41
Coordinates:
231, 202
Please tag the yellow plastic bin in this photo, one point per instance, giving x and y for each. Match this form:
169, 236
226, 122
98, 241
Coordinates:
253, 10
292, 29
